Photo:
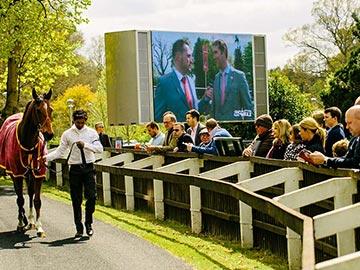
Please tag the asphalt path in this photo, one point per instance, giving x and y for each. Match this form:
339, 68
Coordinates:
108, 248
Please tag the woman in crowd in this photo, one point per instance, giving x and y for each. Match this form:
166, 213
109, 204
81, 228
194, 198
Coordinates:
281, 131
312, 135
296, 145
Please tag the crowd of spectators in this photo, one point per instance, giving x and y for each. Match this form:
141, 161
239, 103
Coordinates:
321, 135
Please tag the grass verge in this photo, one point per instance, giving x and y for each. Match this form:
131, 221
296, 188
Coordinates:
201, 251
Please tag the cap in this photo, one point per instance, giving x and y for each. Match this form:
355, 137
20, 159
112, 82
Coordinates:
204, 131
264, 120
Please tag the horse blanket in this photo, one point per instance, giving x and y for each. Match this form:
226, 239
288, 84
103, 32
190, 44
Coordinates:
14, 158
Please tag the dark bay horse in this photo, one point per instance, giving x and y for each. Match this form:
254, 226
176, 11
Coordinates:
22, 145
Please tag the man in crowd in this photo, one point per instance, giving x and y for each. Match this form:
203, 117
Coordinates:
215, 131
157, 137
169, 119
262, 143
204, 137
335, 131
181, 138
176, 90
83, 142
352, 157
104, 138
192, 119
231, 95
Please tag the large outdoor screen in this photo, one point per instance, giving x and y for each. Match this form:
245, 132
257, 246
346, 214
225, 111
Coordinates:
210, 72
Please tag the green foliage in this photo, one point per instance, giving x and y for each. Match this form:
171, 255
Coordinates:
285, 99
201, 81
37, 38
87, 75
344, 86
82, 96
326, 43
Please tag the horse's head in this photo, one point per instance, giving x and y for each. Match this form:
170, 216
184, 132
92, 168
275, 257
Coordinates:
41, 111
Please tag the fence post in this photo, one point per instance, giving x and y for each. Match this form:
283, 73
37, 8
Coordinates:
245, 213
106, 183
294, 247
345, 240
159, 194
159, 199
59, 178
195, 201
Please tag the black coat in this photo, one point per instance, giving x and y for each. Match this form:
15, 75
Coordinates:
335, 134
197, 135
105, 140
184, 138
315, 144
263, 143
351, 159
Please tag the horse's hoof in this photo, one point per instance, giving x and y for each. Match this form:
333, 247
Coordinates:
21, 229
30, 226
41, 234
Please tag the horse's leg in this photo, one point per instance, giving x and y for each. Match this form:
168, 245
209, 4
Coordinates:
37, 203
30, 187
18, 186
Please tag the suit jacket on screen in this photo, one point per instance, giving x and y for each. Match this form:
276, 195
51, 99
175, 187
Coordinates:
237, 97
169, 96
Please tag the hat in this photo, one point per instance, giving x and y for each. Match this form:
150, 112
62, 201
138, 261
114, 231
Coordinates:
204, 131
264, 120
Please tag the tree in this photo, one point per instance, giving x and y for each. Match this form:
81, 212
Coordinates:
88, 74
96, 53
285, 99
83, 98
248, 65
162, 56
344, 86
327, 42
37, 43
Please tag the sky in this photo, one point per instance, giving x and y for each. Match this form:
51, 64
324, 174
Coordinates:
272, 18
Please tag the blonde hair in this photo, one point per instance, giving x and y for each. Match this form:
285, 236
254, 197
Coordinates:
319, 117
310, 123
284, 131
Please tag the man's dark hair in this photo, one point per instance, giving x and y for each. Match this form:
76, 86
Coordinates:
152, 125
334, 112
79, 114
178, 47
222, 46
194, 114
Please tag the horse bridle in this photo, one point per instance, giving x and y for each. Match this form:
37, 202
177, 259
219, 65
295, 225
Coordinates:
39, 125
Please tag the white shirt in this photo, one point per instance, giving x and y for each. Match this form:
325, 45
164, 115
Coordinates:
87, 135
193, 132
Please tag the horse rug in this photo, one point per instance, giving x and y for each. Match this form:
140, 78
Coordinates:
14, 158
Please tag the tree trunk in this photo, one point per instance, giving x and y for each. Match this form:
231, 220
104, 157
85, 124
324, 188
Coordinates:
11, 105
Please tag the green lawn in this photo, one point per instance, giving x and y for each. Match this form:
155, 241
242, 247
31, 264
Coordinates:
201, 251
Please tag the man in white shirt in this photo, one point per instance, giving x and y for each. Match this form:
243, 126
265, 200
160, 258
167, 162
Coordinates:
83, 143
157, 137
192, 119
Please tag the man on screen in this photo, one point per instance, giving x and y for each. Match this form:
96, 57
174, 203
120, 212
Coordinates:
231, 96
176, 90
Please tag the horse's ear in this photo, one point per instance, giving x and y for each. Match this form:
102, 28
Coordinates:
47, 96
34, 94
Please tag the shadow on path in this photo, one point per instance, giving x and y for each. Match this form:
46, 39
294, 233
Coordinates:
66, 241
14, 240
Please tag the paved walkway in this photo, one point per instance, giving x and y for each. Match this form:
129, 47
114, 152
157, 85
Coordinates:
109, 248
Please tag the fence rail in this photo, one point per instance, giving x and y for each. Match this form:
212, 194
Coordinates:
261, 202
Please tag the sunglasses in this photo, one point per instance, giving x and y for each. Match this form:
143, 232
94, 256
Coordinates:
175, 129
